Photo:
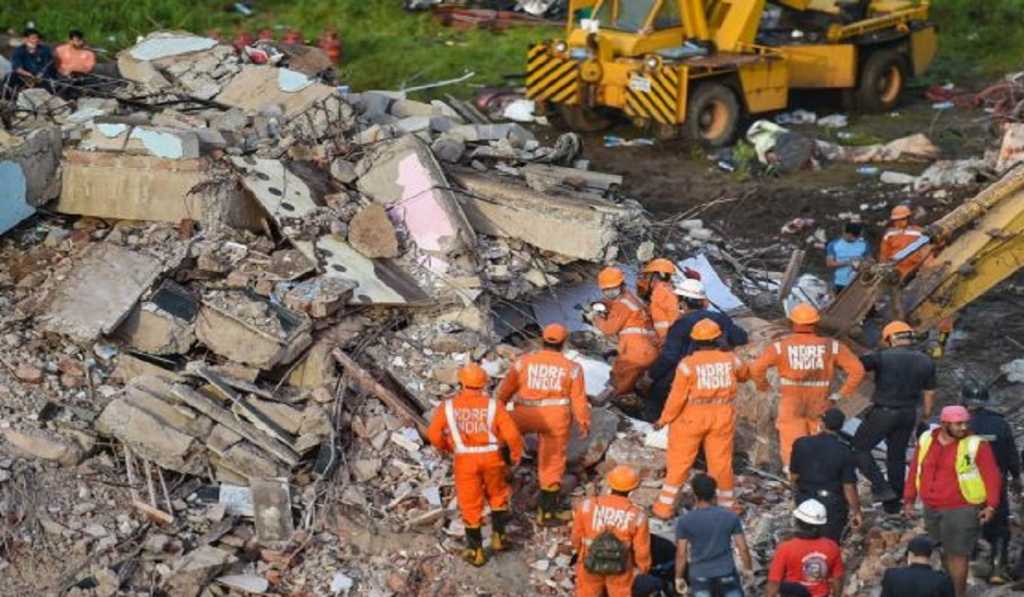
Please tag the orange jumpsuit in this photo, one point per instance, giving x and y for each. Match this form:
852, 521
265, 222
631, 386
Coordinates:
806, 364
471, 424
629, 524
700, 410
549, 391
628, 318
894, 240
664, 309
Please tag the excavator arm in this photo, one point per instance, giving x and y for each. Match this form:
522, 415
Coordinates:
982, 244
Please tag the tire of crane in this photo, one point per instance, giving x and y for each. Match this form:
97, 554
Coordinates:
713, 115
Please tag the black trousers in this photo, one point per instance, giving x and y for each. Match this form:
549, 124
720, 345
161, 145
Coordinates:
835, 506
895, 426
999, 526
654, 403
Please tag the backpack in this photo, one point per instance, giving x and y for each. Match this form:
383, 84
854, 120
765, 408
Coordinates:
606, 555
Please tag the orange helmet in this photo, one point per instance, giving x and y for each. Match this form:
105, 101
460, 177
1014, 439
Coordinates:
473, 376
610, 277
900, 212
555, 333
804, 314
704, 330
895, 327
659, 266
623, 478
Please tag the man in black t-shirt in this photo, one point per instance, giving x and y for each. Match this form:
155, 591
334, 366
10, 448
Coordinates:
822, 468
903, 378
917, 578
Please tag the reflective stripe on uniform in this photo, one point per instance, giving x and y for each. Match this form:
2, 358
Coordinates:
542, 402
629, 304
453, 428
725, 492
902, 231
778, 348
634, 331
662, 325
684, 368
669, 488
805, 384
668, 501
835, 347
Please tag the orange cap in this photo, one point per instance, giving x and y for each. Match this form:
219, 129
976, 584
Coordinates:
804, 314
895, 327
705, 329
623, 478
610, 277
473, 376
900, 212
555, 333
659, 266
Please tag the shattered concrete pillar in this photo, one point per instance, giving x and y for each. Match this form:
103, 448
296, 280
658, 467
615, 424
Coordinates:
29, 174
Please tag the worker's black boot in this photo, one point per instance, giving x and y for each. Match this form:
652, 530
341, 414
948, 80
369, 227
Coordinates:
549, 513
499, 533
1000, 558
474, 551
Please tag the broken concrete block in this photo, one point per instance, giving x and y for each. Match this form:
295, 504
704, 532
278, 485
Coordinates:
448, 148
44, 445
221, 439
406, 108
343, 171
319, 297
316, 369
159, 142
251, 330
404, 176
127, 187
284, 194
43, 104
648, 462
196, 569
248, 461
493, 132
414, 124
100, 291
38, 156
155, 396
164, 324
130, 367
512, 210
378, 282
371, 233
287, 417
151, 437
273, 511
256, 88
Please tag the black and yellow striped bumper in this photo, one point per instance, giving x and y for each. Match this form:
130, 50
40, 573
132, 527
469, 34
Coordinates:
660, 100
551, 78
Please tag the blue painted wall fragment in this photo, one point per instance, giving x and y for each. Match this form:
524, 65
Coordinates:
14, 207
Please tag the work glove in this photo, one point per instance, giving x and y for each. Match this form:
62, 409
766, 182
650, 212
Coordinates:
680, 586
835, 397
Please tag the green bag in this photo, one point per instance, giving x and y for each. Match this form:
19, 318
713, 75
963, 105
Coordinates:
606, 555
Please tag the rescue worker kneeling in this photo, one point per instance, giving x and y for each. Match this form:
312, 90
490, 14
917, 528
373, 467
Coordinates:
623, 315
701, 410
473, 425
549, 392
611, 539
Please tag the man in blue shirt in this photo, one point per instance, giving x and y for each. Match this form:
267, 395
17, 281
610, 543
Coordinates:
31, 62
845, 254
704, 542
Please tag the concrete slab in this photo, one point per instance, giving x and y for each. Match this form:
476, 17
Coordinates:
378, 281
14, 207
249, 329
151, 437
260, 87
164, 324
100, 291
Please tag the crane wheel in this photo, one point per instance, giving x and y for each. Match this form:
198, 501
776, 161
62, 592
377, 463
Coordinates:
582, 119
882, 81
713, 115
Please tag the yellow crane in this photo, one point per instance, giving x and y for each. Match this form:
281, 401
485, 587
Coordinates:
701, 65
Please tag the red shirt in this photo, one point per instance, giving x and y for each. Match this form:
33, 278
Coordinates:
810, 562
940, 489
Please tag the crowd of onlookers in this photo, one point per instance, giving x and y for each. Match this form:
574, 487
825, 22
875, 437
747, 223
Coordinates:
36, 64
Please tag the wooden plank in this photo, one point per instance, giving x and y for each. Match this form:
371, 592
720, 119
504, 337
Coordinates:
226, 418
366, 381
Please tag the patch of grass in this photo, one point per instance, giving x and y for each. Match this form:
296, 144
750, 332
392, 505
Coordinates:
384, 47
978, 40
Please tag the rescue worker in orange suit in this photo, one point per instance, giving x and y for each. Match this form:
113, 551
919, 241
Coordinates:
474, 426
700, 411
549, 392
655, 286
621, 313
900, 235
806, 364
614, 514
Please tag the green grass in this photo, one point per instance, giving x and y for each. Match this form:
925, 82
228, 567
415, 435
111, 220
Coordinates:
384, 47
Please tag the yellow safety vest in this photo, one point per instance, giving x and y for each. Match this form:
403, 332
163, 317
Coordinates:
972, 486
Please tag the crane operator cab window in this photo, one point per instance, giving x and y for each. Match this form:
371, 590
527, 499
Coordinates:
632, 15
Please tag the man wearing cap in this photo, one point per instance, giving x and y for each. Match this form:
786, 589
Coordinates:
904, 379
678, 343
705, 537
473, 426
622, 314
917, 578
993, 428
956, 476
655, 286
548, 392
700, 412
626, 522
809, 559
822, 468
806, 363
901, 234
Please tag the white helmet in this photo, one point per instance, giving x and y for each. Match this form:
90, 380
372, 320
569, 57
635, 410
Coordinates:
691, 289
811, 512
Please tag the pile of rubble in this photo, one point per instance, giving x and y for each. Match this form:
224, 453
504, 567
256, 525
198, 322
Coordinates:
242, 278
